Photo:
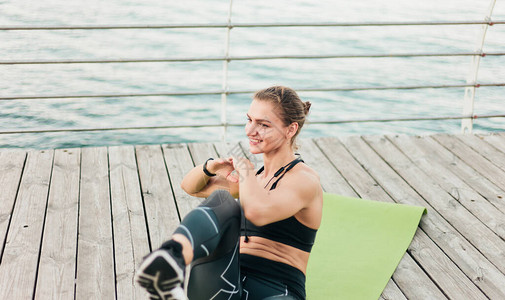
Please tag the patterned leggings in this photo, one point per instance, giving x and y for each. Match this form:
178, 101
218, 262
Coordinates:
213, 229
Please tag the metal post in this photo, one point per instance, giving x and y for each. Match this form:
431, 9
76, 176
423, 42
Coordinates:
468, 103
225, 87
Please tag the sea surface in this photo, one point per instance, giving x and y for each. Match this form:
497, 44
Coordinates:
68, 79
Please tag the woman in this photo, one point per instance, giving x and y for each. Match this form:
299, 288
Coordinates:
256, 249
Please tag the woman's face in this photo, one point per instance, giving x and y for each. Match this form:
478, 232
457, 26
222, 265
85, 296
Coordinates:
264, 128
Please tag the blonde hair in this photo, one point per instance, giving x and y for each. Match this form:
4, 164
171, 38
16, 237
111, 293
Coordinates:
290, 107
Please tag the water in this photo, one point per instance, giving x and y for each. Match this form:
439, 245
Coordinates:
248, 75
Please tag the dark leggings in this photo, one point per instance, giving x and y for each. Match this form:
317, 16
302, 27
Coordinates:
213, 229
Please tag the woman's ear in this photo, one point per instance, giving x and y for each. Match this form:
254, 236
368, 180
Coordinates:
292, 129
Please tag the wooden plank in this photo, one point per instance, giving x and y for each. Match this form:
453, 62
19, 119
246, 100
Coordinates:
179, 163
414, 282
95, 262
491, 153
131, 242
464, 194
450, 161
392, 291
161, 211
331, 180
467, 224
476, 267
200, 152
20, 258
496, 139
56, 275
473, 159
11, 167
227, 149
409, 277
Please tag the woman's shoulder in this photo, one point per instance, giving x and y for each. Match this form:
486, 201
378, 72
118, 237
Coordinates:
311, 190
307, 173
305, 179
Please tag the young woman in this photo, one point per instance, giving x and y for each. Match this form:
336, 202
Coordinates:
257, 247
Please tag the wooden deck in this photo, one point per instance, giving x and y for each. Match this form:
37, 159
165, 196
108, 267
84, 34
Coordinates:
74, 223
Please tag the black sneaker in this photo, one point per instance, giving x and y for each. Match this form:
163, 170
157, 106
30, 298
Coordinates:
162, 273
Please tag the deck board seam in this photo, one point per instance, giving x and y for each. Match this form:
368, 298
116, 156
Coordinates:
113, 241
4, 242
336, 169
137, 169
78, 225
43, 225
491, 212
172, 189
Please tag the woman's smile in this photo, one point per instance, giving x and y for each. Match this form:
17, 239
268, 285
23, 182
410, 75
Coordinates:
253, 141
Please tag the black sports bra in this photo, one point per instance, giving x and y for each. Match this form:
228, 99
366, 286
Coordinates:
288, 231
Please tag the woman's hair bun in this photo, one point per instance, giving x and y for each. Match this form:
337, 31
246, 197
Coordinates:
307, 105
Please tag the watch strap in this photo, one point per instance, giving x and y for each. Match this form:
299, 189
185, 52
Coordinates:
205, 168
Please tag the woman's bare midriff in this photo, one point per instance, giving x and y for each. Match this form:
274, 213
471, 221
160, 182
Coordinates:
275, 251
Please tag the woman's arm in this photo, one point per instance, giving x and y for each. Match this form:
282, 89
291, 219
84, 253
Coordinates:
199, 184
297, 191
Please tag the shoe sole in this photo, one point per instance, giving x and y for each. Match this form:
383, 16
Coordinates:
169, 289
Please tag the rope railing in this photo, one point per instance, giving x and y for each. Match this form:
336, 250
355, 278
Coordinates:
211, 125
241, 58
226, 59
252, 25
230, 92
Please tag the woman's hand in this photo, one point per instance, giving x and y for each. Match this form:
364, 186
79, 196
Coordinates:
243, 167
224, 168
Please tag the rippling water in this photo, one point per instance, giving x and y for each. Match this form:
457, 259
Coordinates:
60, 79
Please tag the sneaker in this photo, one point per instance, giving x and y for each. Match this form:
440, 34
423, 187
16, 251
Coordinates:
162, 273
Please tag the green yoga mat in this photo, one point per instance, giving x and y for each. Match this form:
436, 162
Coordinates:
358, 247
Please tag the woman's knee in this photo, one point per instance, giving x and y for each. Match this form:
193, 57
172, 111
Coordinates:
223, 204
217, 198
